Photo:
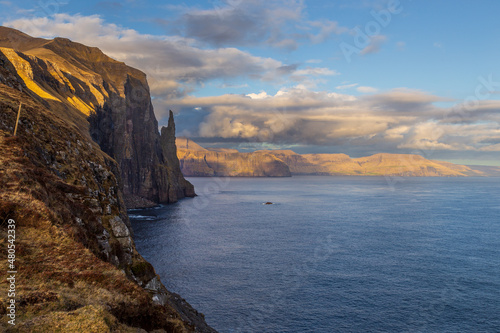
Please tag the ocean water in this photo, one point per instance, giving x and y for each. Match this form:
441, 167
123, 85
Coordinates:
332, 254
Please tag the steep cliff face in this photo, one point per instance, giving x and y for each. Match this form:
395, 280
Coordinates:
178, 186
79, 270
206, 163
77, 82
78, 267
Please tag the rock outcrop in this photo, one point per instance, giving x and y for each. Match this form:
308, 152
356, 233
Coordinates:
77, 82
79, 270
178, 186
202, 162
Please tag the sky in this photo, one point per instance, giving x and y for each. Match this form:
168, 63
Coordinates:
354, 77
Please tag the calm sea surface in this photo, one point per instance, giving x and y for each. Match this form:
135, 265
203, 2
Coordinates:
332, 254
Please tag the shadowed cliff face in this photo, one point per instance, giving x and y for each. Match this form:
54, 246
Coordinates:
79, 270
77, 82
178, 186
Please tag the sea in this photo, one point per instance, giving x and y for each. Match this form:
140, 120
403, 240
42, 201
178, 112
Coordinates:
332, 254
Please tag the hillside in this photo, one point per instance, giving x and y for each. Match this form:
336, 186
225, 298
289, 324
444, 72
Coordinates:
387, 165
197, 161
78, 268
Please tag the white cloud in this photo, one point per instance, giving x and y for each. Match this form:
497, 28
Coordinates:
346, 86
366, 90
397, 119
260, 95
315, 71
396, 133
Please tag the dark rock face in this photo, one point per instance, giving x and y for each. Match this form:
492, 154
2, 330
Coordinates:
126, 128
70, 188
79, 80
178, 187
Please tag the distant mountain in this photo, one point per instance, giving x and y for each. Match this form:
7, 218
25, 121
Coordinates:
387, 165
490, 171
198, 161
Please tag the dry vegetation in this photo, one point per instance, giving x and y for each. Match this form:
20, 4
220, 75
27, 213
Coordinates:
63, 284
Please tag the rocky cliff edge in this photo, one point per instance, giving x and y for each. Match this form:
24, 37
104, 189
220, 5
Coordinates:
77, 266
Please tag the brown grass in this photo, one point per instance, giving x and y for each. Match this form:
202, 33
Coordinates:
63, 284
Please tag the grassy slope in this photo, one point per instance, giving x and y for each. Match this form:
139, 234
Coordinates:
62, 285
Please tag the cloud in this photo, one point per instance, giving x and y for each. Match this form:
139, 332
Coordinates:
238, 22
366, 90
314, 71
399, 119
374, 45
346, 86
396, 120
277, 23
173, 64
406, 100
326, 28
260, 95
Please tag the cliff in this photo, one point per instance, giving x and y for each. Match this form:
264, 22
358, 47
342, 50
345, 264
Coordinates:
200, 162
79, 82
178, 186
78, 269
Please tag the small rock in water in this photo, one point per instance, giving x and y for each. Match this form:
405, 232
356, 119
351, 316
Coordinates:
268, 203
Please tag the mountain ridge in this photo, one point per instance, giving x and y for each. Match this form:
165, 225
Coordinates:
380, 164
200, 162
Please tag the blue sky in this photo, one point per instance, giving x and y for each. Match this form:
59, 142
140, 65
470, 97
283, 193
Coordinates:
355, 77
